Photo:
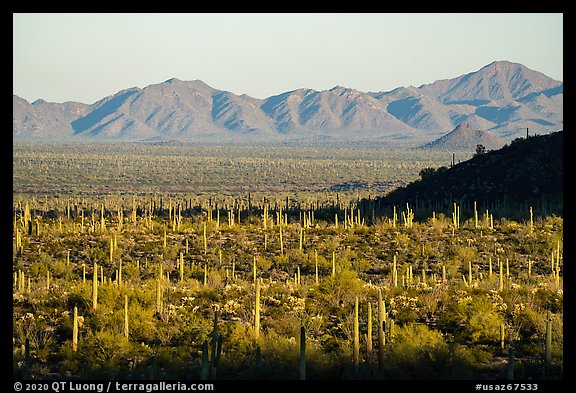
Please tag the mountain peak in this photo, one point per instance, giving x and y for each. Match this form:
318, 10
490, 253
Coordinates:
465, 137
465, 126
501, 64
503, 67
338, 88
503, 97
176, 81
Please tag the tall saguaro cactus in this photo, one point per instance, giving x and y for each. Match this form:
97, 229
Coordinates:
394, 273
159, 303
126, 330
257, 311
475, 216
333, 263
356, 358
501, 277
369, 333
548, 347
95, 287
205, 240
510, 368
216, 347
381, 331
120, 273
302, 353
205, 362
281, 241
316, 265
75, 330
181, 265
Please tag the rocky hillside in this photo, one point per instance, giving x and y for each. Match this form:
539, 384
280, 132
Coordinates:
527, 171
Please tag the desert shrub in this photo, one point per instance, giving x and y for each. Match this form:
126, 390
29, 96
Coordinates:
340, 289
417, 352
109, 355
483, 320
547, 299
473, 318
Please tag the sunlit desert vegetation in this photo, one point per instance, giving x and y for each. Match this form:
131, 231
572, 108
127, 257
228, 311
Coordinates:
252, 263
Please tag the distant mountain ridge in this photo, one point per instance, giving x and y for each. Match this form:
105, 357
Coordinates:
502, 97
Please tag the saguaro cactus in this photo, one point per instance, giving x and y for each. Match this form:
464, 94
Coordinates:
369, 333
159, 305
548, 350
356, 358
281, 241
316, 265
501, 282
205, 240
102, 221
120, 273
126, 330
394, 273
381, 330
216, 339
95, 287
333, 263
75, 330
181, 266
302, 353
205, 362
257, 311
510, 363
475, 216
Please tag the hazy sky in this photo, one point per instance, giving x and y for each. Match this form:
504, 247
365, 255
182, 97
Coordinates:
85, 57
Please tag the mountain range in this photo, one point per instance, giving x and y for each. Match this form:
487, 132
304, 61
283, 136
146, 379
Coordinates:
502, 97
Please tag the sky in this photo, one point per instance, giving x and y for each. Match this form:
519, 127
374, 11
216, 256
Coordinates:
85, 57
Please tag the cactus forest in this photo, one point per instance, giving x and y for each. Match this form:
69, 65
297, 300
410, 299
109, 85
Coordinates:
143, 262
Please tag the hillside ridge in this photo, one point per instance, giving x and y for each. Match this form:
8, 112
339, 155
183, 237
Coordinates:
528, 171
